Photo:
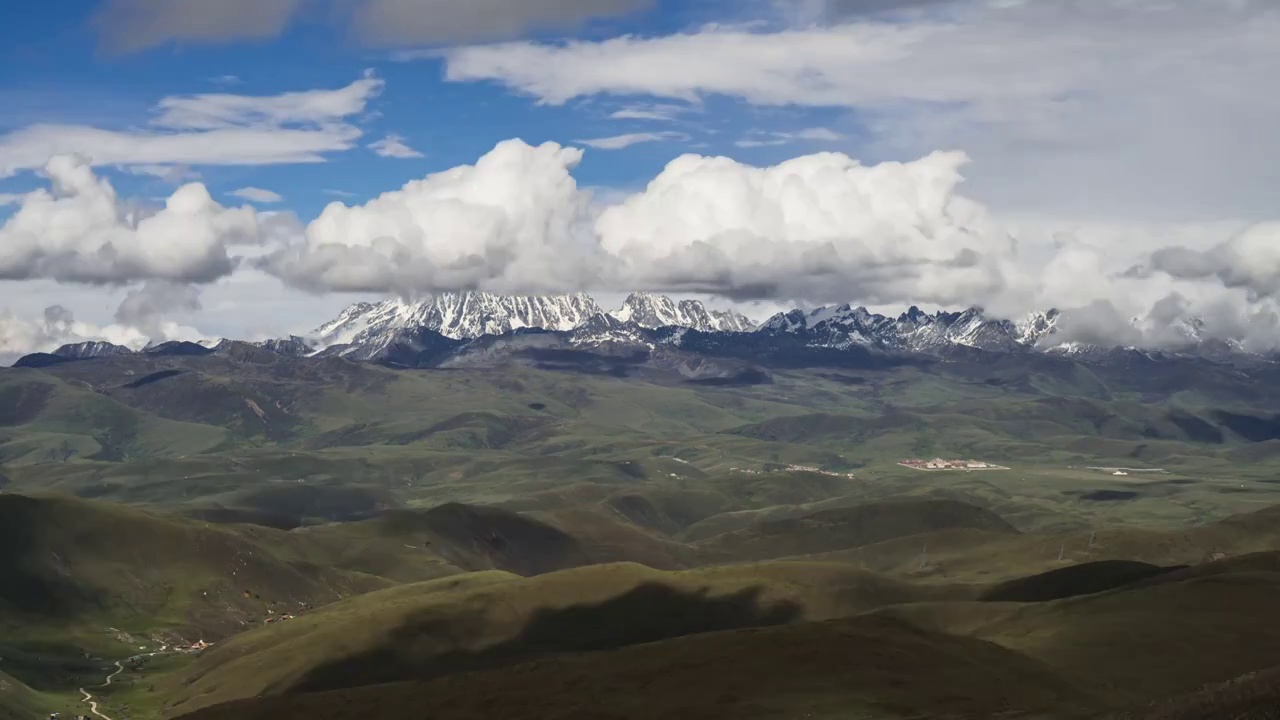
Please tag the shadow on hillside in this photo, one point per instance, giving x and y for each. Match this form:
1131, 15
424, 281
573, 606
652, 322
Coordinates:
32, 580
1076, 580
651, 612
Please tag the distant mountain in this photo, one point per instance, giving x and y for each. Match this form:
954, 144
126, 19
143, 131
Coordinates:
366, 329
180, 348
86, 350
457, 329
656, 311
292, 346
914, 331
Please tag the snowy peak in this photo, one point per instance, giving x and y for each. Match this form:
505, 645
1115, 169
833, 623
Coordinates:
656, 311
459, 316
366, 329
86, 350
1037, 326
913, 331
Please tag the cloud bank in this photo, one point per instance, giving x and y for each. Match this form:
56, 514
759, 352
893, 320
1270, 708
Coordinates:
822, 228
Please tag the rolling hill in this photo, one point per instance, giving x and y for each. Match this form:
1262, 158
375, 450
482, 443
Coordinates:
487, 620
860, 667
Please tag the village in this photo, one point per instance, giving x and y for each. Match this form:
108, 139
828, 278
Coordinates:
940, 464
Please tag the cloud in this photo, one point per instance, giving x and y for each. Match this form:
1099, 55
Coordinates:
212, 111
208, 129
57, 326
619, 142
393, 146
1146, 109
820, 228
513, 221
817, 227
80, 231
172, 174
657, 112
134, 25
811, 11
418, 22
225, 80
1249, 260
148, 308
258, 195
772, 139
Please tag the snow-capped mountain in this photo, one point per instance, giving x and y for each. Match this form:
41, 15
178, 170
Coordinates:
845, 327
367, 328
86, 350
457, 329
655, 311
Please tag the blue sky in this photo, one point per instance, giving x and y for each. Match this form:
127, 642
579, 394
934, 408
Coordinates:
1013, 154
54, 69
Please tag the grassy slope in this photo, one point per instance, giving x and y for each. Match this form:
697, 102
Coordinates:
486, 620
19, 702
81, 575
967, 555
337, 441
1137, 644
47, 419
863, 668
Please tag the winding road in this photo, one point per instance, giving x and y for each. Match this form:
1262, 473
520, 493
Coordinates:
93, 704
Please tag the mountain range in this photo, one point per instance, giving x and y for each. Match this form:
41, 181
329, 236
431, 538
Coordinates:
430, 332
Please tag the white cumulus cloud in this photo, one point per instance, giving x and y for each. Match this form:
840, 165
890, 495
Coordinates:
512, 221
80, 231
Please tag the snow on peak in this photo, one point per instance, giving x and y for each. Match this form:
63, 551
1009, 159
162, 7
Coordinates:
656, 311
461, 316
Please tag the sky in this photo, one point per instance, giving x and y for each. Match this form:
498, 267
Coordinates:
247, 168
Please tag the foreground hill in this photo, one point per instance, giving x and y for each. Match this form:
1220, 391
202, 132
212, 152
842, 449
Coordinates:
1140, 643
860, 667
488, 620
1198, 625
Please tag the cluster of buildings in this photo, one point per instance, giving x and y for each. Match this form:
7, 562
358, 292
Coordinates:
940, 464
